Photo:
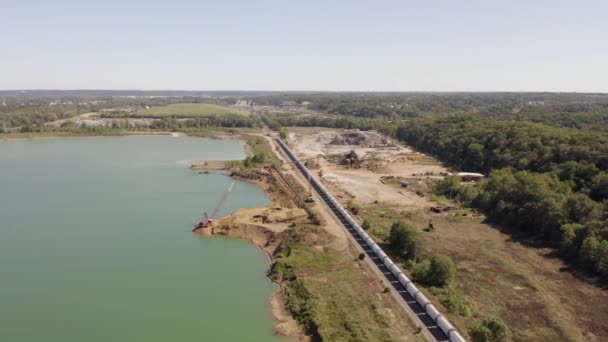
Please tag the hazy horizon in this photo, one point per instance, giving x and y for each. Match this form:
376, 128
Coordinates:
308, 91
354, 46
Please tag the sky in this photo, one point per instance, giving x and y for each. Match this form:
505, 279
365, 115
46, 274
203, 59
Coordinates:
330, 45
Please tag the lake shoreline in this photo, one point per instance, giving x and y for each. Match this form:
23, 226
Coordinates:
284, 322
154, 209
239, 225
211, 134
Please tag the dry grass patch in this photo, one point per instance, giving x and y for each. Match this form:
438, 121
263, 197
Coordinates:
502, 275
331, 294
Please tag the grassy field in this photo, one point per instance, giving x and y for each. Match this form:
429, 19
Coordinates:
189, 110
332, 295
501, 274
258, 144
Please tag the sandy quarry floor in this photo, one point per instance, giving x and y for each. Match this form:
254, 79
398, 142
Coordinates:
277, 219
95, 120
364, 183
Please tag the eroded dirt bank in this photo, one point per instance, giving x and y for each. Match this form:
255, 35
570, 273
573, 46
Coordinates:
265, 226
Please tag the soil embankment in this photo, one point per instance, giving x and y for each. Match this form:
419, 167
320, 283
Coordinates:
265, 226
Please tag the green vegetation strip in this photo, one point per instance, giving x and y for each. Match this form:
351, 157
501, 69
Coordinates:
189, 110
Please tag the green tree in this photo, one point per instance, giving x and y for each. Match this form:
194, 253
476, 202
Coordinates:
283, 133
599, 186
366, 225
259, 158
475, 154
580, 206
490, 330
589, 252
570, 233
439, 272
602, 259
447, 186
404, 241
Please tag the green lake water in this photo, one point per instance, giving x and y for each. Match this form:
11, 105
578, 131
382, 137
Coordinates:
96, 244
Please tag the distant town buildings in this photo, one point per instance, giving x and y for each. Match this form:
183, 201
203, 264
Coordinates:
535, 103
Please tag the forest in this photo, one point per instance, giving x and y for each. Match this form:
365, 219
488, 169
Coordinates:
30, 115
547, 181
560, 109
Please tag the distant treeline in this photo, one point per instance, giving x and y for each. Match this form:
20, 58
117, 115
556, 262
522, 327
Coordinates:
12, 115
587, 116
477, 143
571, 110
404, 105
581, 111
101, 93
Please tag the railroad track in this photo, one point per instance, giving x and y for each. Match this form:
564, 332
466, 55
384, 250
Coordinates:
438, 327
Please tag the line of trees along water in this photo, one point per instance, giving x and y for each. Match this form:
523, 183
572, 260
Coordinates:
547, 181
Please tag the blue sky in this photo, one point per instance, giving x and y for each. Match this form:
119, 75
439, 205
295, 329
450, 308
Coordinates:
305, 45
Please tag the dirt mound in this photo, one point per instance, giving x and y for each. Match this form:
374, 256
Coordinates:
258, 234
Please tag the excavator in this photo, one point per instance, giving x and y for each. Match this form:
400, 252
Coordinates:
208, 221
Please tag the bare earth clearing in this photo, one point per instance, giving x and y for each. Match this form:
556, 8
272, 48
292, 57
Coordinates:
377, 162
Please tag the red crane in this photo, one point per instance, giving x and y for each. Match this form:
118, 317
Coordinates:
208, 221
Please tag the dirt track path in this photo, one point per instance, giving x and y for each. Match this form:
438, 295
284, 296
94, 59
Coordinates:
58, 123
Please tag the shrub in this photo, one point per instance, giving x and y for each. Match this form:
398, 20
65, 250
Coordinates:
421, 270
298, 301
366, 225
404, 241
281, 271
354, 207
490, 330
439, 272
455, 303
447, 186
283, 133
316, 217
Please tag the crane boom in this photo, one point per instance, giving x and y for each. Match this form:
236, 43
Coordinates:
221, 202
209, 220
